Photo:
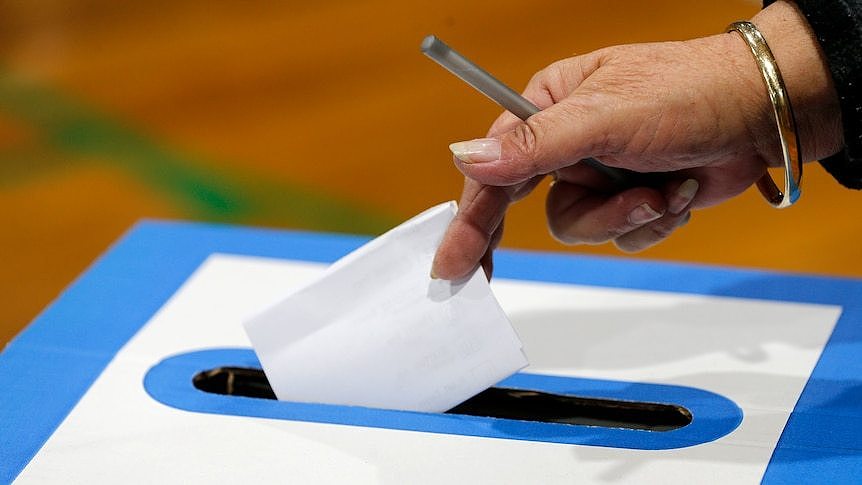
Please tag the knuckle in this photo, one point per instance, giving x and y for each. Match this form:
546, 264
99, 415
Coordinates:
526, 152
538, 79
547, 75
555, 77
525, 138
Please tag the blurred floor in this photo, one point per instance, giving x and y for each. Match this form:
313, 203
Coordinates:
319, 115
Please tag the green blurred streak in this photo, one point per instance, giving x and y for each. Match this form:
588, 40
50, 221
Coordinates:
208, 193
28, 161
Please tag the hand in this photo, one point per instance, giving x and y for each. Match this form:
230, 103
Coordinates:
695, 111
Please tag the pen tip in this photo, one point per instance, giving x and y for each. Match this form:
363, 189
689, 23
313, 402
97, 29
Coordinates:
428, 41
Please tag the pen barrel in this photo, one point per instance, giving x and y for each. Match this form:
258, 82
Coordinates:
479, 78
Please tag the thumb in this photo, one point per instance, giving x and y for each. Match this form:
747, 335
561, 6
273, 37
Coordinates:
549, 140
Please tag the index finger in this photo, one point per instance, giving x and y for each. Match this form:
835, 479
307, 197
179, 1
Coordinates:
469, 235
480, 213
472, 233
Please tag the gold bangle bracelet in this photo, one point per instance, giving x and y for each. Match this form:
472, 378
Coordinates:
783, 112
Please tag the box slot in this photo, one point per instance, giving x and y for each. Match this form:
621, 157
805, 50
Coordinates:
495, 402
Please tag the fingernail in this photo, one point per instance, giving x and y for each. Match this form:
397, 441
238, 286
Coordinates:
643, 214
477, 151
434, 276
683, 196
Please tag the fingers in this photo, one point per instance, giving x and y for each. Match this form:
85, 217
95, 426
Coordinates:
680, 196
469, 236
634, 219
577, 214
653, 233
477, 228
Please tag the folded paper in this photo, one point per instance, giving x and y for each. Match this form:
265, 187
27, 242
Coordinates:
376, 330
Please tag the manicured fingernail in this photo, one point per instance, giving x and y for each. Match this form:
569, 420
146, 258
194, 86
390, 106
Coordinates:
643, 214
477, 151
683, 196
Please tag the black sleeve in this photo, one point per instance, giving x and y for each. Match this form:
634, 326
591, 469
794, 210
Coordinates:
838, 27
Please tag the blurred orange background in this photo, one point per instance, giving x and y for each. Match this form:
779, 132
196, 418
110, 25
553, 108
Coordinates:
319, 115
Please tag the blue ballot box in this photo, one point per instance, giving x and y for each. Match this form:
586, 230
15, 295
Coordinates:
639, 372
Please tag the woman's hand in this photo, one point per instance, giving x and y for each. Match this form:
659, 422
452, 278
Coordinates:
694, 111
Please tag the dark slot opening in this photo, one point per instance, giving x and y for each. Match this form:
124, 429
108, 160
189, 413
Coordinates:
495, 402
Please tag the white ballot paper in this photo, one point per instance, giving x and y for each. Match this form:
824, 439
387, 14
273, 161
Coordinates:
375, 330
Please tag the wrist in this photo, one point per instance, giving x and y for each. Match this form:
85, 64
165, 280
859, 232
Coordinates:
806, 79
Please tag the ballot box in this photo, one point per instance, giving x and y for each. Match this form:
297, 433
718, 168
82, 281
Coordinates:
639, 372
